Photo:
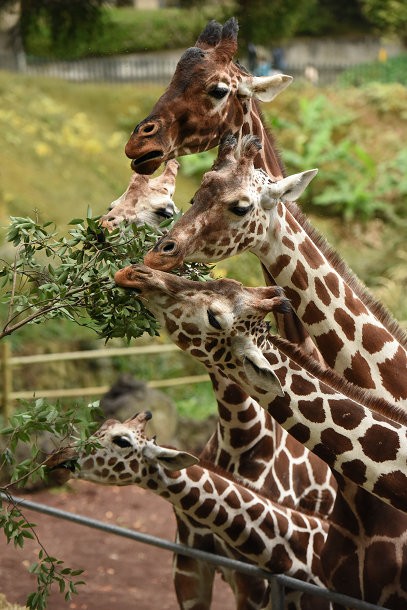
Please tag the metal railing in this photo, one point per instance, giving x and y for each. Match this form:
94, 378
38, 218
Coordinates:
278, 582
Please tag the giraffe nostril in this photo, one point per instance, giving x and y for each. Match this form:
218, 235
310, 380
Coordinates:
148, 129
168, 247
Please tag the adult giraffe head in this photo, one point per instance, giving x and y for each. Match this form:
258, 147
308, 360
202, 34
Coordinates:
208, 96
231, 210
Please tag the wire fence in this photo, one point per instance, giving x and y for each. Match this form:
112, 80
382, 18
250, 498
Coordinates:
148, 68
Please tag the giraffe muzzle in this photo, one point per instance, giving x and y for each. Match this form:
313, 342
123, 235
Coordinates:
148, 163
133, 277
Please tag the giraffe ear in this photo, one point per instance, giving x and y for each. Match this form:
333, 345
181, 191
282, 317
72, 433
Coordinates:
170, 459
287, 189
257, 368
264, 88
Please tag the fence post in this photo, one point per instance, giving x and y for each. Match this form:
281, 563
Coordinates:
277, 594
6, 378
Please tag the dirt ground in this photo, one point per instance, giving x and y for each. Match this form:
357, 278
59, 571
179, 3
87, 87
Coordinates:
120, 574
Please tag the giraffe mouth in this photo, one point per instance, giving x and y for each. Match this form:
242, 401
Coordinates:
148, 163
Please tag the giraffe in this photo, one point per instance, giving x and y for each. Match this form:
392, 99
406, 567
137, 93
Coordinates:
237, 208
246, 525
248, 444
362, 439
145, 201
209, 95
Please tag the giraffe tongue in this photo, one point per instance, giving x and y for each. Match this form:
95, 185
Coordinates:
147, 164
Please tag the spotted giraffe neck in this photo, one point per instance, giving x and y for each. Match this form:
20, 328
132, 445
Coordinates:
323, 414
253, 528
366, 533
351, 338
254, 448
319, 410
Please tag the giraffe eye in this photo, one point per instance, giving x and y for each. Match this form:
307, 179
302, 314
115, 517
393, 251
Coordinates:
212, 320
121, 441
218, 92
240, 210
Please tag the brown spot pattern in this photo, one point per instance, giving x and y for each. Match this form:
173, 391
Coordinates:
352, 303
312, 314
321, 291
359, 372
288, 243
300, 432
332, 283
299, 277
393, 372
338, 443
311, 254
345, 413
380, 445
330, 345
312, 410
346, 322
355, 470
393, 486
301, 386
281, 263
374, 338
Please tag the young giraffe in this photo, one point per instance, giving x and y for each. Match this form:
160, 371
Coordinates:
240, 208
245, 525
145, 201
362, 439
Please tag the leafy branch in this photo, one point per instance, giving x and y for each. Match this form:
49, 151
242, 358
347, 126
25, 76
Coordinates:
54, 276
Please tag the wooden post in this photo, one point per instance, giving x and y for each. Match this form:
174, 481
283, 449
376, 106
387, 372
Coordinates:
6, 380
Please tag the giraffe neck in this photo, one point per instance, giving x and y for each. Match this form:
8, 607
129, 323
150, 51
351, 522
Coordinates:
351, 338
255, 527
253, 447
366, 533
354, 440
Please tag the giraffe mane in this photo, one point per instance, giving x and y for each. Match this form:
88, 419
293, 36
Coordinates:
270, 140
377, 308
334, 380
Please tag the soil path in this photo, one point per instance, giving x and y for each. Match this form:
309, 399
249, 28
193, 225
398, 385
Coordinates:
120, 574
